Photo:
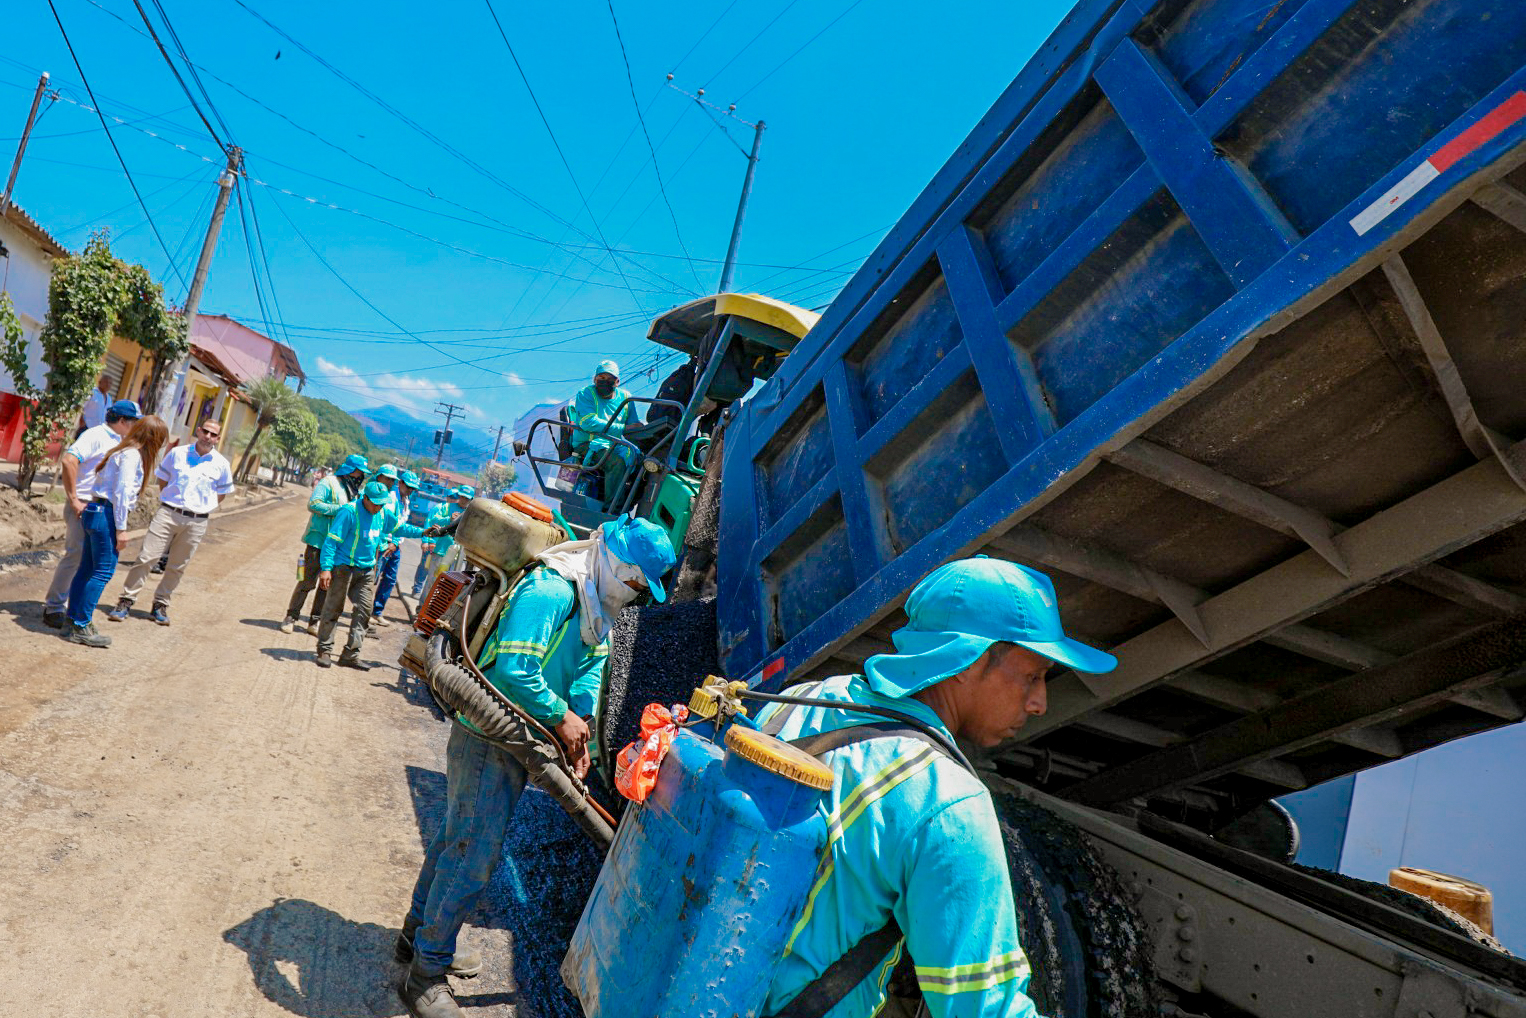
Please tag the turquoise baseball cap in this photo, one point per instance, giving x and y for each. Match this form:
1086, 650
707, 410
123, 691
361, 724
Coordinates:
410, 478
608, 368
377, 492
465, 491
387, 470
960, 609
351, 464
645, 545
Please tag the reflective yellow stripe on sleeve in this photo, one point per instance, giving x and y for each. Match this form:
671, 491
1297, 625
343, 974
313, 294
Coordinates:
975, 976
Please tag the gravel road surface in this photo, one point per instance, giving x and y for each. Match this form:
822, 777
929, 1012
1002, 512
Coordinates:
200, 822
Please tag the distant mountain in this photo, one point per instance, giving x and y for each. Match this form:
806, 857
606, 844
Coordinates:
391, 428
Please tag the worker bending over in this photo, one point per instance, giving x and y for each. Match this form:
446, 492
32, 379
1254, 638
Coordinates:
915, 857
77, 468
601, 413
329, 495
193, 480
548, 656
439, 536
386, 571
347, 559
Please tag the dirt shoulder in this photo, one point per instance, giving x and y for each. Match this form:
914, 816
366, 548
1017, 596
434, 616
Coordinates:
199, 821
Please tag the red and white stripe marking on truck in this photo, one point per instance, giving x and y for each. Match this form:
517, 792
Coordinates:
1488, 127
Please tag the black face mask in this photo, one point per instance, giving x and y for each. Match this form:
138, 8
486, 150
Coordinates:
604, 389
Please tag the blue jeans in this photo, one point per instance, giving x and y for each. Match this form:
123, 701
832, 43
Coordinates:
98, 561
482, 785
386, 579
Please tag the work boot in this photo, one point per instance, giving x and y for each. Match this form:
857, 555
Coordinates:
288, 624
86, 636
54, 619
379, 622
160, 614
428, 996
119, 613
324, 659
462, 966
312, 627
353, 661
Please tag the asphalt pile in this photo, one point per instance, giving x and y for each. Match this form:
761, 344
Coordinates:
538, 893
657, 654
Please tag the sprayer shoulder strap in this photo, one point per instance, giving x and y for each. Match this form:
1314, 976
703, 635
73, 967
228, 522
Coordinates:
827, 990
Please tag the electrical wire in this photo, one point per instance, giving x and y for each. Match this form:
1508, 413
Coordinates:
118, 152
176, 72
848, 10
640, 119
598, 229
750, 42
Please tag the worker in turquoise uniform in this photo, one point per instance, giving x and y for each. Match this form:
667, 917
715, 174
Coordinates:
329, 495
386, 570
347, 560
915, 862
439, 534
600, 413
548, 656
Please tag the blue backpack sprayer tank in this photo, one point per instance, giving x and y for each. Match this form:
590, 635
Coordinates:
707, 877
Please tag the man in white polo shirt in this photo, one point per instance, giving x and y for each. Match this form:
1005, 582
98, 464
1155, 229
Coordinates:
78, 474
193, 481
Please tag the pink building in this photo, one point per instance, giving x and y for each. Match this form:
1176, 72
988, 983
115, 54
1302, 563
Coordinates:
226, 355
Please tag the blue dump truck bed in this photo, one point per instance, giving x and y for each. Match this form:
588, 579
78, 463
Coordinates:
1219, 317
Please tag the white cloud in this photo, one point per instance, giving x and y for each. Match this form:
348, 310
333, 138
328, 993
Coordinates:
512, 378
414, 394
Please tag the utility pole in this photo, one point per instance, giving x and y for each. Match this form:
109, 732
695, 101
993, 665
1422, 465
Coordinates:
26, 133
170, 375
450, 412
497, 443
408, 452
729, 269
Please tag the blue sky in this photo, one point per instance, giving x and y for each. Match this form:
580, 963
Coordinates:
462, 236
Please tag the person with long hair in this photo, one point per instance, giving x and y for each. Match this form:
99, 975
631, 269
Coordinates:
119, 479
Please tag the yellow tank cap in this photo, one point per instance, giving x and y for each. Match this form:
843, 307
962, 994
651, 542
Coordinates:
778, 757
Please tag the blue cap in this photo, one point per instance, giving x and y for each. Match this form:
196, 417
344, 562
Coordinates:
376, 492
410, 478
387, 470
125, 408
959, 610
465, 491
608, 368
351, 464
645, 545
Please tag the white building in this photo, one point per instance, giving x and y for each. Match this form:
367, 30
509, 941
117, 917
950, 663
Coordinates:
27, 252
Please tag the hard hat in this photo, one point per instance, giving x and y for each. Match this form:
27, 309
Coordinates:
645, 545
960, 609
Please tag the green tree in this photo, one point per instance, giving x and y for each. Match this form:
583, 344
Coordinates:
296, 433
269, 397
89, 295
494, 479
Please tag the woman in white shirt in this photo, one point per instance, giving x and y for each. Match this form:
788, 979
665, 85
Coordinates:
119, 480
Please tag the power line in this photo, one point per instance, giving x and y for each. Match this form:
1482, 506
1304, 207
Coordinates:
750, 42
176, 71
704, 35
640, 119
118, 152
848, 10
558, 146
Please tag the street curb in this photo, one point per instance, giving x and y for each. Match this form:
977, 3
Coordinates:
47, 552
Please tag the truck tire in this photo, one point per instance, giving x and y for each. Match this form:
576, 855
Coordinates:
1420, 908
1085, 940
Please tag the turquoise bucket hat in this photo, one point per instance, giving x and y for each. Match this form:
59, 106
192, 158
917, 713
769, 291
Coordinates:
645, 545
959, 610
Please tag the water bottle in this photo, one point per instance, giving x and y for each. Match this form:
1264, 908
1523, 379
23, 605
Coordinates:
301, 566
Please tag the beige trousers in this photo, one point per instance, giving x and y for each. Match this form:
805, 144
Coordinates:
170, 532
